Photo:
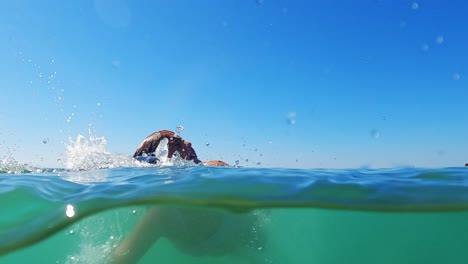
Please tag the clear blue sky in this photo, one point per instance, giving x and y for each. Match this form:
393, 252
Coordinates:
304, 84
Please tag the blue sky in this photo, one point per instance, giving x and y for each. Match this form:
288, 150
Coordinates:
286, 83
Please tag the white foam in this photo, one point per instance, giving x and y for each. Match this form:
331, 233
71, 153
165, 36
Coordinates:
9, 165
90, 154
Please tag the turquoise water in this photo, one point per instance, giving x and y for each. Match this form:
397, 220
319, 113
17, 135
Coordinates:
405, 215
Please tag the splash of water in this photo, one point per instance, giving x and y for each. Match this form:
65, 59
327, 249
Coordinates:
8, 164
161, 154
90, 154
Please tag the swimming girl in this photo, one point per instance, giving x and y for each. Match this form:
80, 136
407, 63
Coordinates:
194, 231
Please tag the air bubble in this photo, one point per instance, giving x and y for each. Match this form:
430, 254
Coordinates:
440, 39
237, 162
45, 140
415, 6
456, 76
207, 144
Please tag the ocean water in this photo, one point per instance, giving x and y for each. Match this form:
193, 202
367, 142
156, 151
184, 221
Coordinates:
404, 215
85, 211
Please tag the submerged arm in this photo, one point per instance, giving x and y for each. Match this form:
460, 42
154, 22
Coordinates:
142, 237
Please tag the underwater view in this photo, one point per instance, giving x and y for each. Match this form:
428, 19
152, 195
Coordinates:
237, 131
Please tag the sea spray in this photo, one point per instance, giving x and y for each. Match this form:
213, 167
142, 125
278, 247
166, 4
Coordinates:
91, 153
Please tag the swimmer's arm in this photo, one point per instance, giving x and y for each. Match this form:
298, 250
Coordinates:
142, 237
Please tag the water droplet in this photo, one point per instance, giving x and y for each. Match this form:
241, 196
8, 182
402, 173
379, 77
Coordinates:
116, 64
179, 129
291, 118
456, 76
440, 39
375, 133
402, 24
45, 140
70, 212
424, 47
415, 6
207, 144
237, 162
